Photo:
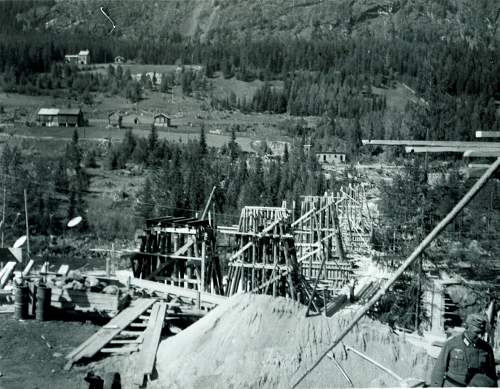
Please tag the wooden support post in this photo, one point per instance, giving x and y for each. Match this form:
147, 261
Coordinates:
254, 257
203, 265
28, 253
275, 261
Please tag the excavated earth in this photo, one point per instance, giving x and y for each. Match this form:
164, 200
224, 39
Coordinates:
262, 342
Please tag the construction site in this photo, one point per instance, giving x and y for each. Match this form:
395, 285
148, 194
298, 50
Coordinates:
284, 298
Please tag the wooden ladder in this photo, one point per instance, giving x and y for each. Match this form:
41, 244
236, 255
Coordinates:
134, 329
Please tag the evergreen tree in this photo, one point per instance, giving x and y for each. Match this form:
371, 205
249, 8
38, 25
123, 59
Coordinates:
203, 142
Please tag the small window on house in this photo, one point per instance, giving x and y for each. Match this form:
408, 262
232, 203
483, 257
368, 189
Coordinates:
324, 158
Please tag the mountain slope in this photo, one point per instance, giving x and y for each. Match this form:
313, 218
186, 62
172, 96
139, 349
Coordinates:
461, 19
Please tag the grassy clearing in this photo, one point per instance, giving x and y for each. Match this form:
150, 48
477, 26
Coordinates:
397, 97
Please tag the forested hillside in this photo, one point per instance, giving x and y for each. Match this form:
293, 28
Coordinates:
330, 54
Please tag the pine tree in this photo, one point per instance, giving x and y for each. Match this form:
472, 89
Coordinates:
203, 142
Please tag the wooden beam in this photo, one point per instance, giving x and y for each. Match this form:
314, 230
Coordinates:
432, 143
7, 272
240, 251
177, 291
28, 267
147, 355
487, 134
180, 251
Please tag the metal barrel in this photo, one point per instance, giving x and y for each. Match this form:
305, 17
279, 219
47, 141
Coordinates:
43, 296
21, 300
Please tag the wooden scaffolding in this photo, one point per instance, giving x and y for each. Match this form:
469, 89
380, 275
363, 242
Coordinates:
264, 259
317, 237
179, 251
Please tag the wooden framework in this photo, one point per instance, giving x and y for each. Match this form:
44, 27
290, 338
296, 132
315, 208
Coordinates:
264, 259
354, 220
180, 252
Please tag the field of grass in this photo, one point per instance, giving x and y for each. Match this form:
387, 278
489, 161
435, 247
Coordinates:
397, 97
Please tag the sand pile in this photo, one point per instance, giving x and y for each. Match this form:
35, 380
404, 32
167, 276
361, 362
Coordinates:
260, 342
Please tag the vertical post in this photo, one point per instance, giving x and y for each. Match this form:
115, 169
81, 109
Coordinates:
254, 256
3, 210
417, 303
203, 264
27, 226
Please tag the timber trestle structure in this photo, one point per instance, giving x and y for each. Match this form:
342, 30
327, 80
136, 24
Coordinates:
179, 251
264, 260
335, 223
270, 253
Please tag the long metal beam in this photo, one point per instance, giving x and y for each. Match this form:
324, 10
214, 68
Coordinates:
481, 153
449, 149
414, 255
432, 143
487, 134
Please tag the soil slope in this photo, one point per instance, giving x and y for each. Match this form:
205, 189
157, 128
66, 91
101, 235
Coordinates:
259, 342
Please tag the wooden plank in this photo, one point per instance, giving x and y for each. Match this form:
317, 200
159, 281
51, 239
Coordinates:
9, 268
147, 355
97, 341
2, 271
28, 267
63, 270
487, 134
180, 251
178, 291
120, 350
433, 143
240, 251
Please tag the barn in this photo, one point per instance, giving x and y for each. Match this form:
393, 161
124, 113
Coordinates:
51, 117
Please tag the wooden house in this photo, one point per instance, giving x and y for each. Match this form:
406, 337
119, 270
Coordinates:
51, 117
161, 120
331, 158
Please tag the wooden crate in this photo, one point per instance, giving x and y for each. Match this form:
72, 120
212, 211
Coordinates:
83, 300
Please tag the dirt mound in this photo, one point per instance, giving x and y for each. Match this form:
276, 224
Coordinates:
257, 341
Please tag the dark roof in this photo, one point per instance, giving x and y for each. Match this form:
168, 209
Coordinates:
70, 111
161, 115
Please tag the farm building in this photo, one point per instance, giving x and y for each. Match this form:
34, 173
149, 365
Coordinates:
331, 157
115, 119
82, 58
51, 117
48, 117
161, 120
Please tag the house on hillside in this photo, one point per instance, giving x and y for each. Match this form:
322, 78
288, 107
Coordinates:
115, 119
51, 117
161, 120
331, 158
48, 117
70, 117
82, 58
